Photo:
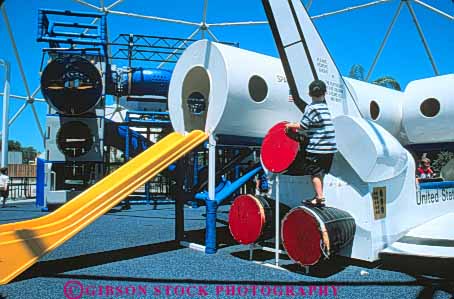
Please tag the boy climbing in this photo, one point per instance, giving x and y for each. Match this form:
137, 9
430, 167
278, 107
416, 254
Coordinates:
317, 124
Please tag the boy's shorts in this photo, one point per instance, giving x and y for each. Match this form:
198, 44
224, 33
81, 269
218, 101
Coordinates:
317, 164
4, 193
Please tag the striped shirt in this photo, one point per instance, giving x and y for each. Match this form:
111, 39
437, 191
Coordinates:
319, 127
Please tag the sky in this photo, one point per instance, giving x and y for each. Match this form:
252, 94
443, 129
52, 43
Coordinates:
352, 38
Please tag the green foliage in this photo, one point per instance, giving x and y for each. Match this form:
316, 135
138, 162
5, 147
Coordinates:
442, 159
357, 72
29, 153
14, 145
387, 81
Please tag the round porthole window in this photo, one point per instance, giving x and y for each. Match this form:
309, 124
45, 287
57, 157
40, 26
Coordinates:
374, 110
74, 139
430, 107
197, 103
258, 90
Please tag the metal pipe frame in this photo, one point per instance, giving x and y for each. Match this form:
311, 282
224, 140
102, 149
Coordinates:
327, 14
245, 23
210, 33
159, 19
5, 112
203, 25
18, 112
436, 10
309, 4
13, 96
30, 96
423, 38
104, 9
16, 52
88, 5
385, 40
178, 48
349, 9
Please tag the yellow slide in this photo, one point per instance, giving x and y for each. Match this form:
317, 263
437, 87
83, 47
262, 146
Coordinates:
23, 243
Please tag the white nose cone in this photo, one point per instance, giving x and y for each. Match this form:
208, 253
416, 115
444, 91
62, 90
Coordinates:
228, 91
428, 110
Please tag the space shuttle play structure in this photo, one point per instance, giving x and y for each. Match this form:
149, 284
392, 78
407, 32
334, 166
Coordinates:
374, 205
225, 94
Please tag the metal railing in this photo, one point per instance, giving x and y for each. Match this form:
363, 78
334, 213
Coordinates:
22, 187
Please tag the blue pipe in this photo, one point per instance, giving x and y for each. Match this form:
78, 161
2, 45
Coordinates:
228, 190
210, 235
204, 194
212, 206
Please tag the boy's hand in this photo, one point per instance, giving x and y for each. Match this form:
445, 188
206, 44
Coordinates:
291, 127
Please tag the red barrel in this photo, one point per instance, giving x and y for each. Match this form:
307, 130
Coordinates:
309, 233
281, 153
248, 217
252, 218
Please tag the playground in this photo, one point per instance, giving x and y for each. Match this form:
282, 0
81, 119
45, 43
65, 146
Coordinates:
189, 166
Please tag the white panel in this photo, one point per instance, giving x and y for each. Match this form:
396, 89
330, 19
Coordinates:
423, 129
389, 101
371, 150
300, 69
284, 21
231, 109
430, 232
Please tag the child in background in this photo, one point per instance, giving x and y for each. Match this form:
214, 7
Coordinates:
424, 171
4, 185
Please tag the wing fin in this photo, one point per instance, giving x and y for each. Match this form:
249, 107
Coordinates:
305, 56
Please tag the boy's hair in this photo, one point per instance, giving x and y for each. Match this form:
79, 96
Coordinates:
317, 88
3, 170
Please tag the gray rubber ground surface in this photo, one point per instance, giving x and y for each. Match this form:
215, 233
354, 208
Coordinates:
134, 250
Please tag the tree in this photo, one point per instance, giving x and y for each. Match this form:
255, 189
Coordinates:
387, 81
357, 72
442, 159
14, 146
29, 153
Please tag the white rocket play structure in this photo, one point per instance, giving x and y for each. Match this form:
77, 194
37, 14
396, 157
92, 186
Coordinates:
374, 206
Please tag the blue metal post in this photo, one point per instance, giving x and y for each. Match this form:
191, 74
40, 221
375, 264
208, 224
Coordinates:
40, 183
127, 138
211, 205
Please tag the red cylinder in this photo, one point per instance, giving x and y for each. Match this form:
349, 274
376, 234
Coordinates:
310, 233
301, 237
247, 219
280, 153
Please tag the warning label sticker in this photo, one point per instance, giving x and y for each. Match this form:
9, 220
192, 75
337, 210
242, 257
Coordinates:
379, 200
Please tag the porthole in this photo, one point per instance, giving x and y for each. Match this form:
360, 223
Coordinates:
374, 110
197, 103
258, 89
430, 107
74, 139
